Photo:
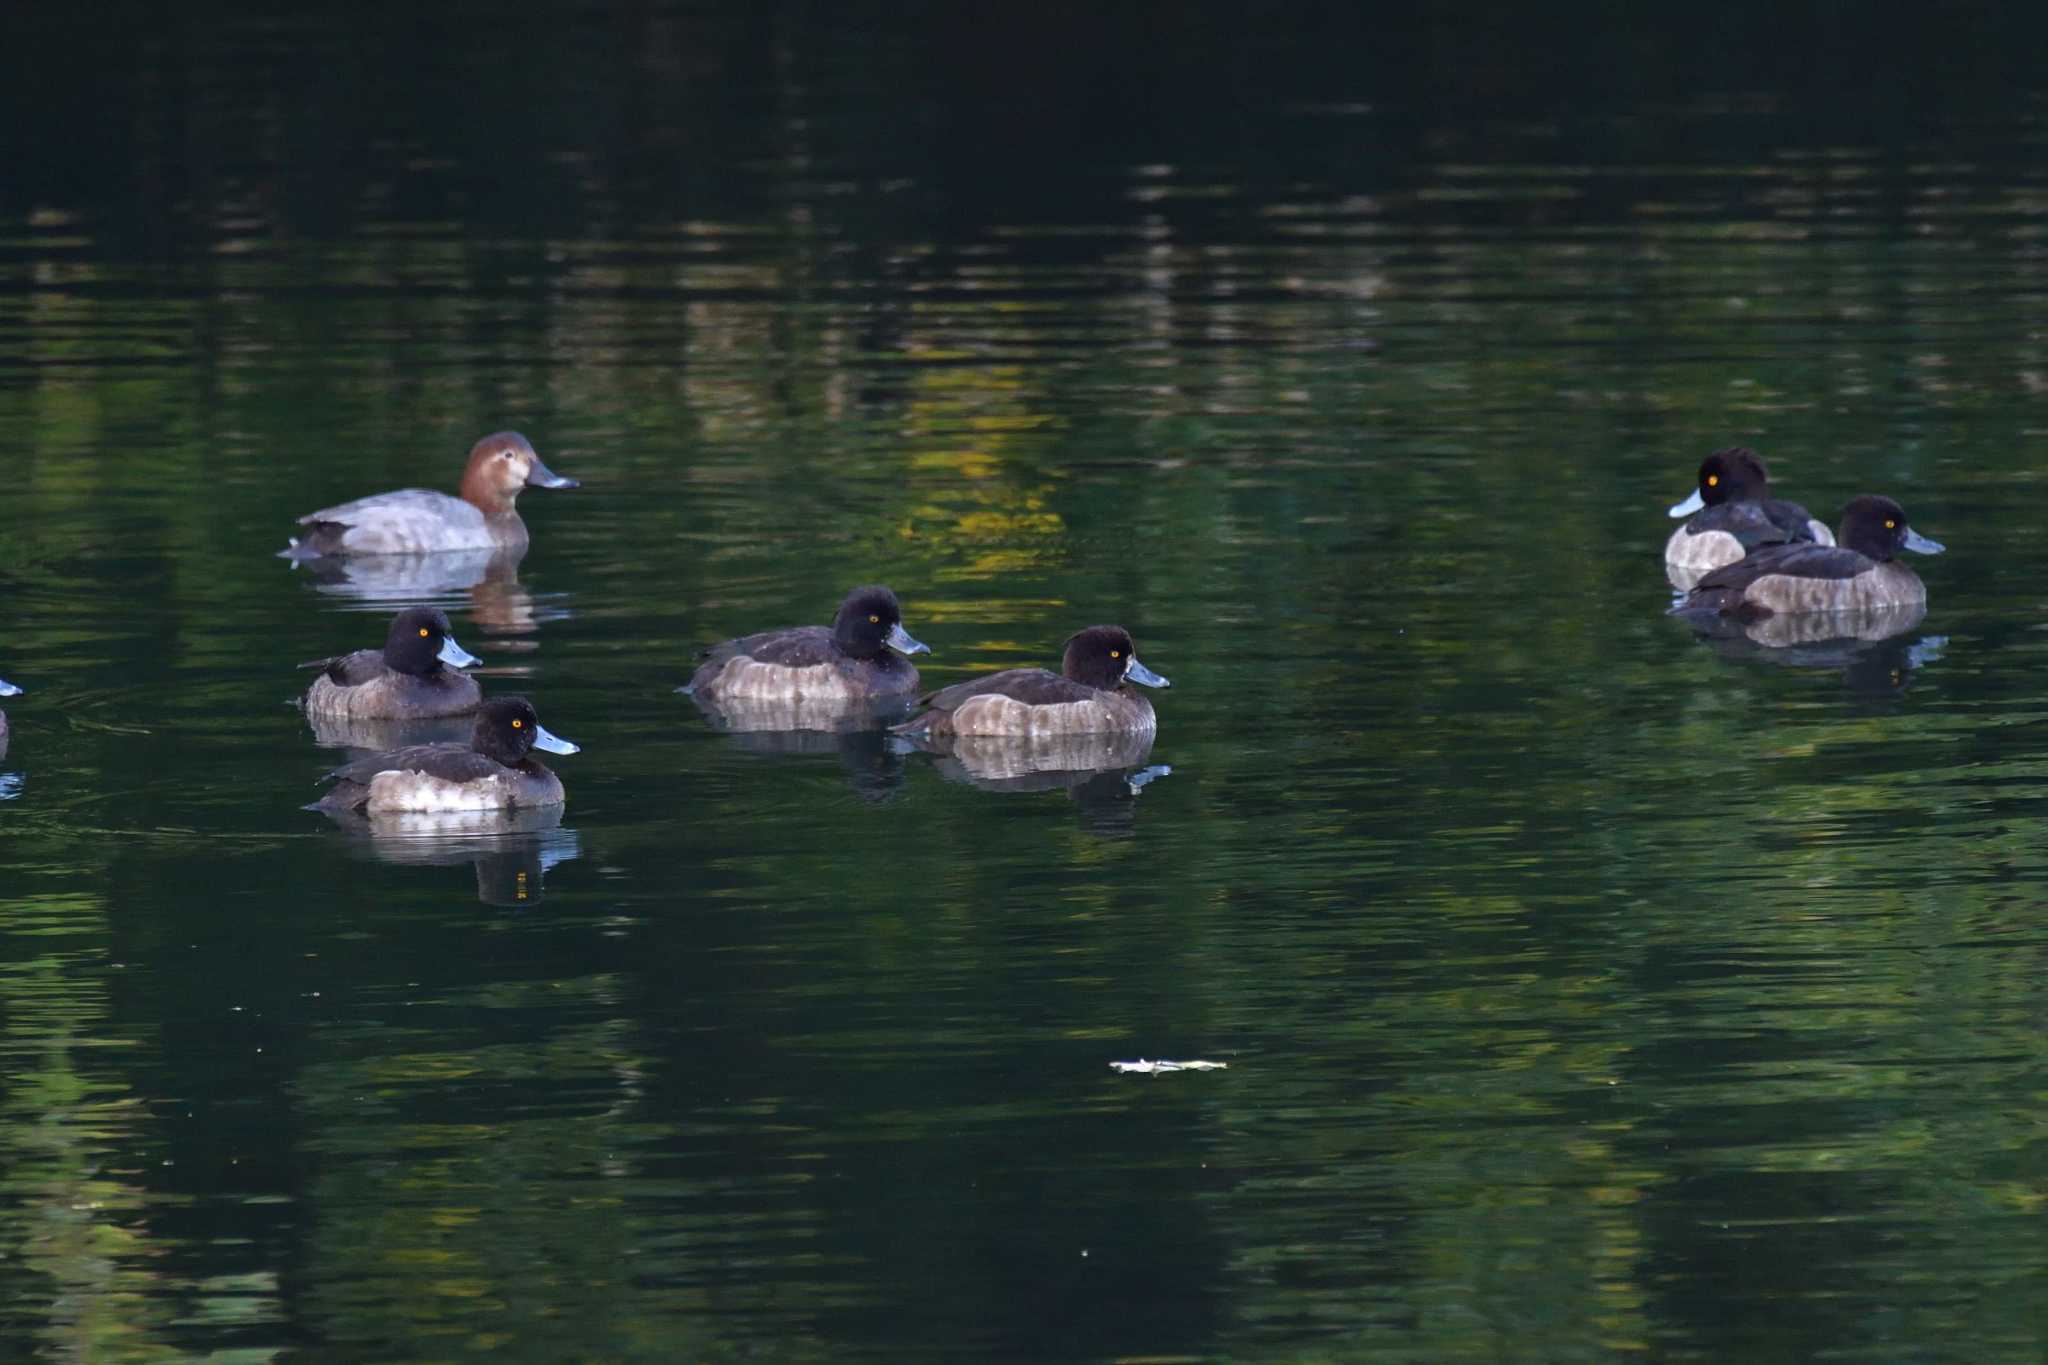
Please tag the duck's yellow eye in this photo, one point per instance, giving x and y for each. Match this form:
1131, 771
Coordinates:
874, 620
1890, 525
1116, 654
518, 724
424, 632
1713, 480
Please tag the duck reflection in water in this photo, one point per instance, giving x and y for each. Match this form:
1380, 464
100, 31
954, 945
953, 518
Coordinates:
1102, 772
362, 736
483, 584
511, 850
853, 731
1875, 648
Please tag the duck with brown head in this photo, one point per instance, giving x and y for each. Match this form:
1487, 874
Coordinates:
421, 521
1091, 693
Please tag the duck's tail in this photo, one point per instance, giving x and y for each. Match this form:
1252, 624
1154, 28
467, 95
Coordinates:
924, 725
1707, 605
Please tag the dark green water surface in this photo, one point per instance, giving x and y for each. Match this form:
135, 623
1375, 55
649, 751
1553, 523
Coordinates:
1588, 990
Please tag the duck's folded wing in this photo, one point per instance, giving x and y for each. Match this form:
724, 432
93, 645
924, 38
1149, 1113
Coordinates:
411, 519
1750, 523
394, 504
1800, 561
796, 647
352, 669
1795, 522
1032, 686
449, 762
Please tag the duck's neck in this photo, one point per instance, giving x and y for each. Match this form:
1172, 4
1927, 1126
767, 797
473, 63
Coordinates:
494, 501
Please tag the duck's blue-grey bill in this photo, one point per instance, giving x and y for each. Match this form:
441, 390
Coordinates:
1138, 673
1138, 779
1689, 506
1920, 544
8, 689
454, 655
540, 476
554, 744
900, 641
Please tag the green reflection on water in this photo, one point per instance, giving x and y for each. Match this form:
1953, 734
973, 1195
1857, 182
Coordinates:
1587, 989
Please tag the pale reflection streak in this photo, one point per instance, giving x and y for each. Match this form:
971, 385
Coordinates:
1103, 773
484, 582
1876, 648
511, 850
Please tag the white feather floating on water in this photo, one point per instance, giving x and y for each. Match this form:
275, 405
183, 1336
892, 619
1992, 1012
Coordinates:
1143, 1067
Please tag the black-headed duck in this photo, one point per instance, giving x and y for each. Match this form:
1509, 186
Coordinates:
857, 658
1091, 692
496, 770
1731, 514
413, 677
1860, 573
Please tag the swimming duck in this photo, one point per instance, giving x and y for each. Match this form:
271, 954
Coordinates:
413, 676
1090, 693
7, 689
853, 659
1859, 573
1732, 513
421, 521
494, 771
